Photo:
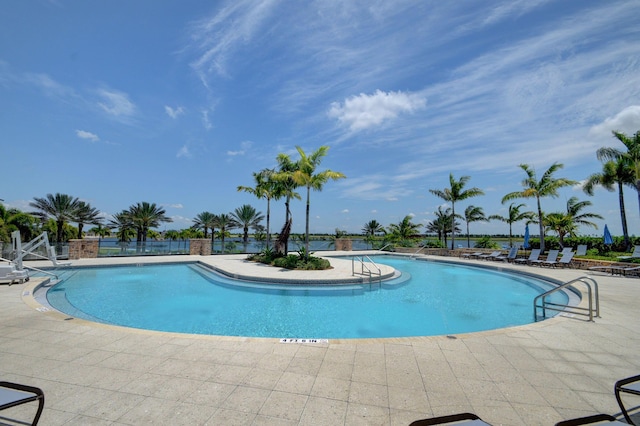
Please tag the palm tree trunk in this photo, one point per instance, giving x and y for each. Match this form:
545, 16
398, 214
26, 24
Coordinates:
623, 217
468, 241
268, 221
453, 226
306, 236
541, 226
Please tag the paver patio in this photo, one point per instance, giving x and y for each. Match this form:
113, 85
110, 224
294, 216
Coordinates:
536, 374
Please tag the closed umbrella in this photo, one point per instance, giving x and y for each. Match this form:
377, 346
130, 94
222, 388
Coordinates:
525, 245
607, 236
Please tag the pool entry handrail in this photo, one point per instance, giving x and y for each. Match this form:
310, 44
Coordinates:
364, 269
592, 294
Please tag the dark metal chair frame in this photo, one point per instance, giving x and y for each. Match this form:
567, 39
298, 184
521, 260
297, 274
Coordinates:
630, 385
13, 394
461, 418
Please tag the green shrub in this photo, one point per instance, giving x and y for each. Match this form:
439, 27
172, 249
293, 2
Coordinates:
485, 242
432, 244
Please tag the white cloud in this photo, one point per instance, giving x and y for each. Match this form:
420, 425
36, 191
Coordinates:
173, 206
345, 211
244, 147
82, 134
116, 103
626, 121
205, 120
174, 112
184, 152
365, 111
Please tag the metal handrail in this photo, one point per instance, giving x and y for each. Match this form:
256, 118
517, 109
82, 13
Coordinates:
418, 251
385, 246
576, 310
363, 266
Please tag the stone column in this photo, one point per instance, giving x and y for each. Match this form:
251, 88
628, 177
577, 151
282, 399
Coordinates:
83, 248
343, 244
200, 246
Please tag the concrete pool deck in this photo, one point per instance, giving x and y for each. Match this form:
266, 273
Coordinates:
535, 374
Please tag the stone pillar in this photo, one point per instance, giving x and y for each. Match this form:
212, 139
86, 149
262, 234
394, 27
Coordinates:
344, 244
200, 246
83, 248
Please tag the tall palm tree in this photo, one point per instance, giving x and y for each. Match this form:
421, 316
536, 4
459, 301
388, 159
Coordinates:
60, 207
204, 221
145, 216
547, 186
404, 230
372, 227
455, 193
246, 216
265, 188
86, 214
616, 173
473, 214
285, 187
560, 223
225, 222
514, 215
306, 176
632, 155
125, 228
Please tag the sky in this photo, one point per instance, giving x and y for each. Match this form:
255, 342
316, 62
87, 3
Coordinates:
177, 103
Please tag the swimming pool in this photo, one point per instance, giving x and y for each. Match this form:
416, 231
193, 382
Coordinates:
430, 299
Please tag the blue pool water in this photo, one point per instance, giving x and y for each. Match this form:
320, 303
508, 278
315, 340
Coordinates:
438, 299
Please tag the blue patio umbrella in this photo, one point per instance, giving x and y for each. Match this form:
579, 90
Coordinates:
525, 245
607, 236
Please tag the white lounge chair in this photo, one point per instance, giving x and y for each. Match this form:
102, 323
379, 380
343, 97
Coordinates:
634, 255
513, 252
581, 250
564, 261
551, 257
8, 272
490, 256
533, 257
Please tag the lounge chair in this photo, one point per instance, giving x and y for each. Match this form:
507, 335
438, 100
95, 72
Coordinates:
8, 272
490, 255
630, 385
590, 420
551, 257
513, 252
581, 250
457, 419
634, 255
564, 261
471, 255
13, 394
533, 257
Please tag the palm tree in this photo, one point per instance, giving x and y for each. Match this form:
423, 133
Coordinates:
86, 214
514, 215
443, 224
285, 187
265, 188
632, 155
306, 176
404, 230
100, 230
15, 220
125, 228
60, 207
246, 216
473, 214
455, 193
547, 186
204, 221
372, 227
614, 173
145, 216
581, 219
225, 222
561, 223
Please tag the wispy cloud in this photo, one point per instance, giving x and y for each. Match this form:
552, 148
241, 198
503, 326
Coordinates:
116, 103
244, 147
82, 134
206, 122
184, 152
174, 112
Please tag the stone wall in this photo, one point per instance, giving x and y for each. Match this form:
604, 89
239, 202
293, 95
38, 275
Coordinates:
86, 248
200, 246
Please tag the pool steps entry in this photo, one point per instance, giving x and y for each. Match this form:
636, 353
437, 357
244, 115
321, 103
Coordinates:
540, 301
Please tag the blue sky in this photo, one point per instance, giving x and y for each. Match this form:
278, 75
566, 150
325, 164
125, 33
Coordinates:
177, 103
